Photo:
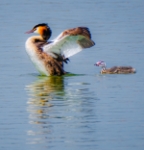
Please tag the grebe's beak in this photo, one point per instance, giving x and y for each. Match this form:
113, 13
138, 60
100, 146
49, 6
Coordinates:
28, 32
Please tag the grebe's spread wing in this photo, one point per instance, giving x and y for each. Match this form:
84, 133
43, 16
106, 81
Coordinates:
70, 42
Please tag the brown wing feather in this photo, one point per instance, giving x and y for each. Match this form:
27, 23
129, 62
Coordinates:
84, 31
78, 31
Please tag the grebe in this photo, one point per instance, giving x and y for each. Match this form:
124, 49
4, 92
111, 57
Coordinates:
48, 56
115, 69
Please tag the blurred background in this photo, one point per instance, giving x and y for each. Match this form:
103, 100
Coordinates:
85, 110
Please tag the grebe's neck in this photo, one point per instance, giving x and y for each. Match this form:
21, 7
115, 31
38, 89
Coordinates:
103, 67
32, 41
36, 38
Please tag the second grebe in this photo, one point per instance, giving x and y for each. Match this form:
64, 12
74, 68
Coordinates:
115, 69
48, 57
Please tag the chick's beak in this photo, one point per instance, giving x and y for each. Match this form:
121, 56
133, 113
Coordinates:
96, 64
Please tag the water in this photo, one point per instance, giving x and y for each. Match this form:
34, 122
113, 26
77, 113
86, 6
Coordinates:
82, 111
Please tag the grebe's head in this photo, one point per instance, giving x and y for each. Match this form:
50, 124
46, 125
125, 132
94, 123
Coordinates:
100, 64
43, 29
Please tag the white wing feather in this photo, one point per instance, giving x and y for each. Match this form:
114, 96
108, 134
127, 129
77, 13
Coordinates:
66, 46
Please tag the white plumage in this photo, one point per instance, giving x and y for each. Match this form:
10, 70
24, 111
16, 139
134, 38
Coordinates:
67, 45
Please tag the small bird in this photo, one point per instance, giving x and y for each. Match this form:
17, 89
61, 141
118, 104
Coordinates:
115, 69
49, 56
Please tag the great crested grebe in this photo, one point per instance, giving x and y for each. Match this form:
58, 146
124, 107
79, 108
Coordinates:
48, 56
115, 69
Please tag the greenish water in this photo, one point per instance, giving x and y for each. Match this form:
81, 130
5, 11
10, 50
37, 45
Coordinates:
84, 109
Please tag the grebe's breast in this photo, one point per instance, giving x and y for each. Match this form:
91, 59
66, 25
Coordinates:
34, 54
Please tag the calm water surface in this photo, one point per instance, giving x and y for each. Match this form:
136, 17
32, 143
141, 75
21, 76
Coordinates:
86, 111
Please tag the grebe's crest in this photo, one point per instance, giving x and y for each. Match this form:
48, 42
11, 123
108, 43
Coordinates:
43, 29
41, 24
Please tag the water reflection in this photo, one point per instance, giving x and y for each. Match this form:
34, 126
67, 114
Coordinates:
57, 105
41, 92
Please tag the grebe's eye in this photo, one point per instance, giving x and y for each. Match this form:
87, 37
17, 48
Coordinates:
34, 29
